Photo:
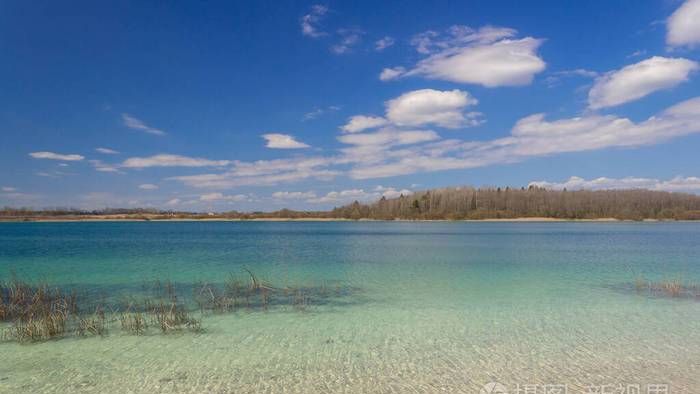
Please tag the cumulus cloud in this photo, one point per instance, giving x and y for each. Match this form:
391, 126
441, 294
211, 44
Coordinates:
283, 141
137, 124
429, 106
489, 56
107, 151
359, 123
168, 160
383, 43
56, 156
676, 184
684, 26
639, 80
148, 186
309, 22
421, 108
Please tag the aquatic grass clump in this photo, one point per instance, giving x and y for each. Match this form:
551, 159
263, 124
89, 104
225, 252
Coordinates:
673, 288
42, 312
95, 324
171, 317
133, 323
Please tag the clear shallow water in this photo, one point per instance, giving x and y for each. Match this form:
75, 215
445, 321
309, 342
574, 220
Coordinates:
440, 307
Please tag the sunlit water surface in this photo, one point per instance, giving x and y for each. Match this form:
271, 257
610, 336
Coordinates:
437, 307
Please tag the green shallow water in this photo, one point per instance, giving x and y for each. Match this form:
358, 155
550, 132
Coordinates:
436, 307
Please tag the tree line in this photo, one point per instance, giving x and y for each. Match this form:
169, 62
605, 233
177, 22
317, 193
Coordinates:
506, 203
457, 203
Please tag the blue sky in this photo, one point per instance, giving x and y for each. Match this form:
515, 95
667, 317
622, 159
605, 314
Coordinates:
262, 105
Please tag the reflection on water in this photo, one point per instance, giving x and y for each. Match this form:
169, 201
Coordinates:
425, 307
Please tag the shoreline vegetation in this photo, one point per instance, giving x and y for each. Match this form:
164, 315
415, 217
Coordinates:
530, 204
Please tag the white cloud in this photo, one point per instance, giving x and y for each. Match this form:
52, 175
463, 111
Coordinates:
429, 106
317, 112
677, 184
168, 160
390, 192
309, 22
393, 151
555, 77
9, 189
107, 151
534, 136
343, 196
684, 25
103, 167
172, 202
137, 124
639, 80
389, 137
383, 43
350, 195
293, 195
349, 38
56, 156
487, 56
359, 123
388, 74
264, 173
283, 141
148, 186
211, 197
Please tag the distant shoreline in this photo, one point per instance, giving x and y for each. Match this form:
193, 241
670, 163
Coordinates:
120, 218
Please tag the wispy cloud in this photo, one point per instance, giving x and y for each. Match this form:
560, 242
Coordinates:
100, 166
168, 160
350, 195
212, 197
56, 156
383, 43
318, 112
107, 151
554, 78
137, 124
310, 21
283, 141
293, 195
148, 186
349, 38
676, 184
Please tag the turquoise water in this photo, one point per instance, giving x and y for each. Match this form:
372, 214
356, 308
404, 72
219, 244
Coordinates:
435, 306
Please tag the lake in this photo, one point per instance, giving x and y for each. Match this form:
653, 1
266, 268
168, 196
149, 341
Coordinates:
392, 307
